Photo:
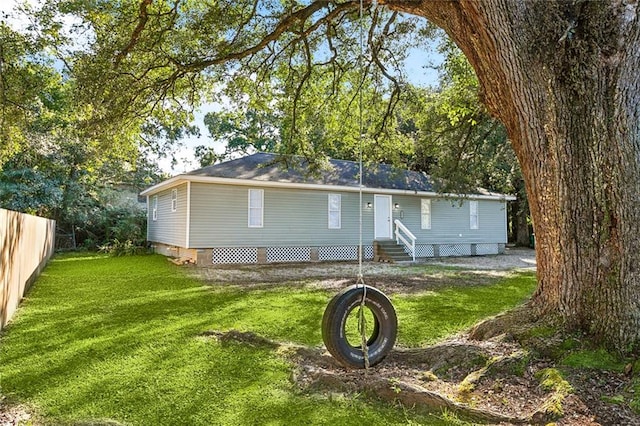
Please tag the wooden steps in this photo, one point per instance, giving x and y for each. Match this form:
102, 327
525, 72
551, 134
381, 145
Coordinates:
389, 251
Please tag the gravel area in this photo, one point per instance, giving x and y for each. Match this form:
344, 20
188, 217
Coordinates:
392, 278
513, 258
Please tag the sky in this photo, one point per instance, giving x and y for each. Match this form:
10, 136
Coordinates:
420, 67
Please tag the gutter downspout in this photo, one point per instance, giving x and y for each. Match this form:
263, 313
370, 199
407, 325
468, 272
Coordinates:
187, 239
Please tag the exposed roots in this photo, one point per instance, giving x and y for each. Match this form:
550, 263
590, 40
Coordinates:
480, 381
507, 325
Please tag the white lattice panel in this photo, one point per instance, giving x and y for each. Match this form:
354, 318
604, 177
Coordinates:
367, 252
455, 250
288, 254
235, 255
424, 250
338, 253
487, 249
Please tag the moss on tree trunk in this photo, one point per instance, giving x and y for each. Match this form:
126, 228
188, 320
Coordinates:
563, 78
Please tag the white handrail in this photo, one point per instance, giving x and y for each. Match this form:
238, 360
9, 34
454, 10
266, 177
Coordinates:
410, 245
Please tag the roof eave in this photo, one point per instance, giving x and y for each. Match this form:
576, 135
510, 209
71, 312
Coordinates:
177, 180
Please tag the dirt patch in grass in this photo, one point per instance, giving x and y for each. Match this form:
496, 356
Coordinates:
12, 414
423, 276
476, 382
395, 279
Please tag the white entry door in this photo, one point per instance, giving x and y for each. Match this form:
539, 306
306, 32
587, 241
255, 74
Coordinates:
382, 216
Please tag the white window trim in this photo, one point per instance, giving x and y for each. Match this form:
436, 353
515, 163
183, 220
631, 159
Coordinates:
261, 225
473, 213
154, 210
339, 210
174, 200
425, 224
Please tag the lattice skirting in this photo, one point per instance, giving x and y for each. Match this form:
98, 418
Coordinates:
424, 250
338, 253
368, 252
482, 249
448, 250
288, 254
225, 255
235, 255
344, 253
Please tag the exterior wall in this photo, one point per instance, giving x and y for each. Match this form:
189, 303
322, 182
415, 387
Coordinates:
170, 227
292, 217
26, 244
295, 225
450, 222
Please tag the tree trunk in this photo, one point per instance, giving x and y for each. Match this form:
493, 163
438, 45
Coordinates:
519, 225
524, 237
563, 78
512, 229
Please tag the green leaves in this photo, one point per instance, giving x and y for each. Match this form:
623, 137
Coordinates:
30, 191
242, 131
457, 141
92, 87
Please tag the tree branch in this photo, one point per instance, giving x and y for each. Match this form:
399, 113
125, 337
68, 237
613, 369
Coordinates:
298, 91
143, 17
283, 26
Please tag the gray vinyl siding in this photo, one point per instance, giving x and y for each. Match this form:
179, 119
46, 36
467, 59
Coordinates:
292, 217
170, 227
450, 222
298, 217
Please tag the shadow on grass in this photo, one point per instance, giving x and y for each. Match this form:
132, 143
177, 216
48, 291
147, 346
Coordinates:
433, 315
119, 338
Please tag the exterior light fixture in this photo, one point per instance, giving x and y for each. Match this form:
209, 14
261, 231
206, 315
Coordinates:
396, 206
369, 205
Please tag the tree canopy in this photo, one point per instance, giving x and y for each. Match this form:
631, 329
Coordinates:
102, 86
560, 75
49, 163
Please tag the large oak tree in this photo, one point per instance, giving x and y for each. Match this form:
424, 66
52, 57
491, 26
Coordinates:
563, 78
561, 75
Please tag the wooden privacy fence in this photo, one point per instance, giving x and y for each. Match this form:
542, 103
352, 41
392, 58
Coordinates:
27, 243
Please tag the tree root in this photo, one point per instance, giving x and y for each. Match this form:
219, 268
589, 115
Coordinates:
504, 325
398, 391
317, 371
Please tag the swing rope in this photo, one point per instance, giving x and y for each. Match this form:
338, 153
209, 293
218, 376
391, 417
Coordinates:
362, 322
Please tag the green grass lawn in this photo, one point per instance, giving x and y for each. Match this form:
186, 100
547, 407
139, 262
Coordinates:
102, 338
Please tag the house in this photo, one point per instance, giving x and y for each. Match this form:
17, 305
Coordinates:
254, 210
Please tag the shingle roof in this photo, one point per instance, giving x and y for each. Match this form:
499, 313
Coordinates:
266, 167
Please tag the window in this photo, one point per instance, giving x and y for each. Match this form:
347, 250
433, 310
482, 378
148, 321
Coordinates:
473, 215
155, 208
334, 211
425, 213
174, 200
256, 202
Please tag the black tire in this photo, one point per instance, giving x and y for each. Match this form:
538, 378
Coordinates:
383, 336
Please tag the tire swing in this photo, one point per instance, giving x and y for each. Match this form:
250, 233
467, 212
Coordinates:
372, 348
344, 323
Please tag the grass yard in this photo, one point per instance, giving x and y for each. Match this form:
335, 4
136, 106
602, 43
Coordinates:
104, 339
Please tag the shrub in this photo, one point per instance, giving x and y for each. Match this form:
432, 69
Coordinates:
122, 248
